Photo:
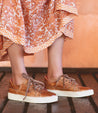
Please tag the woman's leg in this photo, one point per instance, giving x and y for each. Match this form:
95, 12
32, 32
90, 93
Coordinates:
15, 52
62, 85
55, 59
28, 90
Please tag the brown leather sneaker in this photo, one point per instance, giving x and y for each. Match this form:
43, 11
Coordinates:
67, 86
32, 91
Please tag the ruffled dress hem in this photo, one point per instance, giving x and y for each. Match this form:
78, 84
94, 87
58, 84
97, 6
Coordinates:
29, 50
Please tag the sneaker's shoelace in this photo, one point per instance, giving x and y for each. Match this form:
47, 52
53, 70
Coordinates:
37, 85
70, 79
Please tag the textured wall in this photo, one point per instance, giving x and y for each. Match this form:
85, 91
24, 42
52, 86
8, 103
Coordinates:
82, 50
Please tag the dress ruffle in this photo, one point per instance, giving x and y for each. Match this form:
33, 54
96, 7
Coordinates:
34, 24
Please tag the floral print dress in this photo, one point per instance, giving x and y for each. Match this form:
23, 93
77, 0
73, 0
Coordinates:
35, 24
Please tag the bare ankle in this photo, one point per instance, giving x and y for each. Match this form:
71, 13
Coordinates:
53, 78
18, 79
54, 73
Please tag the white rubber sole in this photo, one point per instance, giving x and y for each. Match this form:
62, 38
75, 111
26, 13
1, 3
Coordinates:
18, 97
73, 93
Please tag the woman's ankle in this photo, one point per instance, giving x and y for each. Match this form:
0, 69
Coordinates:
53, 77
18, 79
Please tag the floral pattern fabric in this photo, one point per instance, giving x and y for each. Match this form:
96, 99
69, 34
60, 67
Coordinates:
35, 24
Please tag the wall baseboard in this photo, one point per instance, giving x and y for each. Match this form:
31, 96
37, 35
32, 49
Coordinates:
44, 70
